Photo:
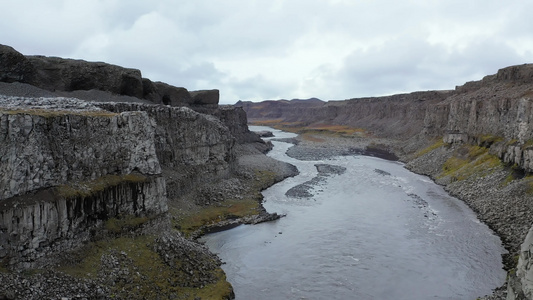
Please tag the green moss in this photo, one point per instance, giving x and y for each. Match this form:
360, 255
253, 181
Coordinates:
515, 172
127, 223
218, 290
147, 274
247, 205
489, 139
213, 214
476, 162
88, 188
439, 143
528, 144
511, 142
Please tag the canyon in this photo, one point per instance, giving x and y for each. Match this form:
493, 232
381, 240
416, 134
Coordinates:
475, 140
107, 177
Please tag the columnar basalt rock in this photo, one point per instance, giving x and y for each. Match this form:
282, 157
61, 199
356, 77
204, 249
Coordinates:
184, 136
60, 219
44, 149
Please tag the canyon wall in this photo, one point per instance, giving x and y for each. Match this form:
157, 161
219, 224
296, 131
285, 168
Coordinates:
390, 116
495, 114
69, 166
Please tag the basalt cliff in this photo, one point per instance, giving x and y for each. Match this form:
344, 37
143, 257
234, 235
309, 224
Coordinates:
106, 177
476, 140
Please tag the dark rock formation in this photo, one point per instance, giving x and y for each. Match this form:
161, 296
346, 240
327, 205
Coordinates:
68, 75
47, 149
53, 73
205, 97
14, 67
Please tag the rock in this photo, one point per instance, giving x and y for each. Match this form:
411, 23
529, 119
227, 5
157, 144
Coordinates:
171, 95
69, 75
264, 133
14, 67
205, 97
41, 150
522, 284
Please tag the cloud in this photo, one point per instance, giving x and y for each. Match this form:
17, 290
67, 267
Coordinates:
254, 50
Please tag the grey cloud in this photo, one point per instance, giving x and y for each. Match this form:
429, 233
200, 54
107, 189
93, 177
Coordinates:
405, 65
247, 48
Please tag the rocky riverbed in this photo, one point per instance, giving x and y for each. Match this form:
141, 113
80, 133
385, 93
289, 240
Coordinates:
499, 199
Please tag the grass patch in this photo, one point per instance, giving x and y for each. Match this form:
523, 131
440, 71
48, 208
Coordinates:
88, 188
248, 205
515, 172
212, 214
439, 143
48, 113
280, 124
307, 130
143, 273
527, 144
487, 140
470, 161
127, 223
341, 130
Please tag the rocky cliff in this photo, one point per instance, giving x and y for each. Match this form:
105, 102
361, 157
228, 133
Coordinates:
93, 190
72, 76
476, 140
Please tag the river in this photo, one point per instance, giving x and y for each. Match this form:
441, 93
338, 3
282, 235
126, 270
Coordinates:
376, 231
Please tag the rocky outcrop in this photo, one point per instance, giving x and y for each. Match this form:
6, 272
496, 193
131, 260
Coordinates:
521, 286
40, 149
68, 75
14, 67
182, 135
53, 73
60, 219
205, 97
69, 166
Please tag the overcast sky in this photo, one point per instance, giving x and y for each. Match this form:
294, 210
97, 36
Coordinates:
273, 49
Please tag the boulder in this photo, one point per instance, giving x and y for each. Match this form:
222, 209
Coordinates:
171, 95
205, 97
14, 67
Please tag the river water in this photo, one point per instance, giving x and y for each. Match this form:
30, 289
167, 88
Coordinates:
376, 231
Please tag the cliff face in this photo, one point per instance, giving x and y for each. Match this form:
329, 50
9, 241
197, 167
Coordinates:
60, 219
391, 116
69, 166
46, 149
496, 110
